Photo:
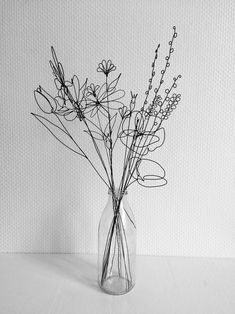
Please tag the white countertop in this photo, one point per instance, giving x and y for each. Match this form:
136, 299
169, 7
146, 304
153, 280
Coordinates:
66, 284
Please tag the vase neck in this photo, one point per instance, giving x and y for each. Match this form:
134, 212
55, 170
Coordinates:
117, 194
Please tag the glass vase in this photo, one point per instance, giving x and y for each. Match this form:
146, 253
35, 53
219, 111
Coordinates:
117, 245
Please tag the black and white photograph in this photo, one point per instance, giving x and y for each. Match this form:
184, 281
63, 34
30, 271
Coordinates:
117, 186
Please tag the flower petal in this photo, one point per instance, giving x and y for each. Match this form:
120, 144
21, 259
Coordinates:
44, 101
118, 94
76, 86
70, 116
57, 84
60, 101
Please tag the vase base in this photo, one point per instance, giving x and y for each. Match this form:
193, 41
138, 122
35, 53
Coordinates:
116, 285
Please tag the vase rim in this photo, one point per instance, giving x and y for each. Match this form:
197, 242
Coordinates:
117, 192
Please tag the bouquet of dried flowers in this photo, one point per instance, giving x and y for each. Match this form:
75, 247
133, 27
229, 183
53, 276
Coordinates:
107, 121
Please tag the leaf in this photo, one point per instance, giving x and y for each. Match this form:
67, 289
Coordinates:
157, 140
102, 93
60, 134
57, 84
70, 115
113, 84
110, 125
150, 173
96, 135
54, 57
61, 70
115, 96
76, 86
83, 87
54, 70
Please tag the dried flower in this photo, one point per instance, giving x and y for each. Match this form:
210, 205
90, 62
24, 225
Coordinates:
92, 90
106, 67
101, 98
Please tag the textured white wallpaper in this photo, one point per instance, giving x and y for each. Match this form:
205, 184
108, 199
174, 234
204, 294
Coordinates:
51, 200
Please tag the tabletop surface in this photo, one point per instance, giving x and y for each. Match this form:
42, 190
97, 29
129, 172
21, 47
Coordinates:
67, 284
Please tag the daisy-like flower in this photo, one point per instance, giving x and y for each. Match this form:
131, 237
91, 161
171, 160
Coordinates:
99, 98
106, 67
92, 90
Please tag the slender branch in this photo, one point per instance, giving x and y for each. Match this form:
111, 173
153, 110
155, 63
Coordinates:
98, 152
110, 139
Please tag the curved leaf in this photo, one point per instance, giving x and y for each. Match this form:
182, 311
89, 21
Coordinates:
110, 124
60, 134
157, 139
96, 135
150, 173
113, 84
76, 86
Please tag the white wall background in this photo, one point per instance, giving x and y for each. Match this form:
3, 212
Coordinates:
51, 201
